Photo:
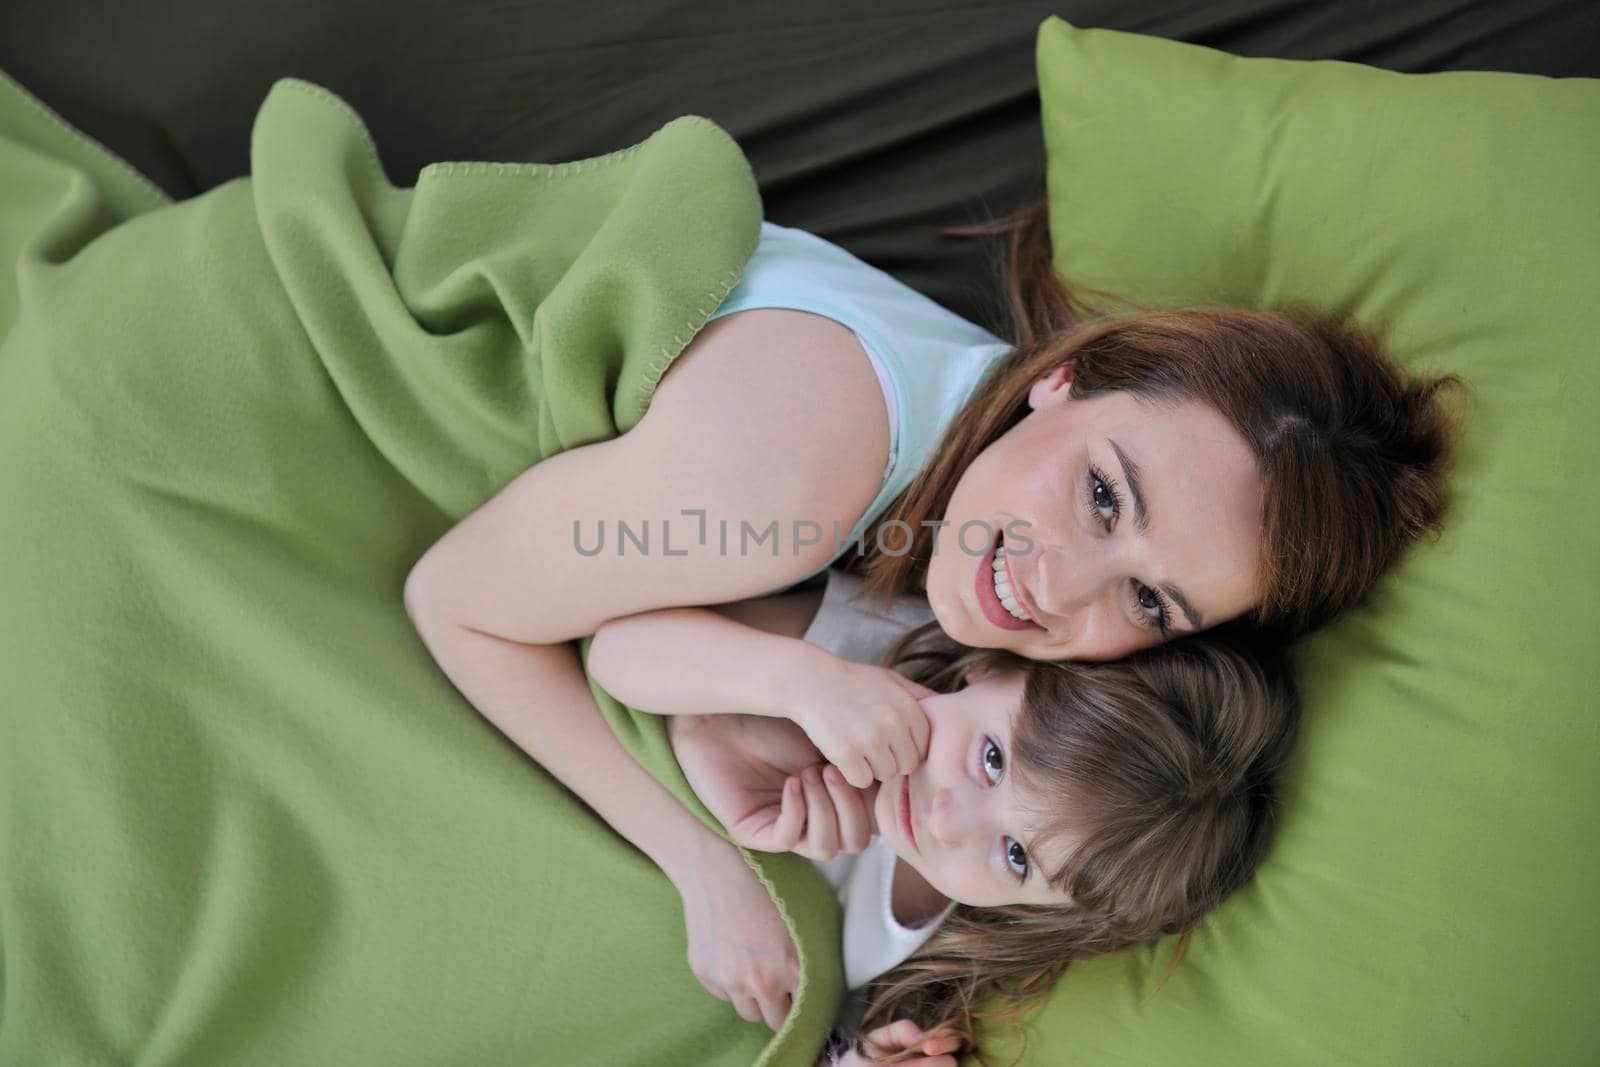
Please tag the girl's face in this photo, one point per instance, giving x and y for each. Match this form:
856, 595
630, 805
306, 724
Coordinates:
1123, 522
970, 835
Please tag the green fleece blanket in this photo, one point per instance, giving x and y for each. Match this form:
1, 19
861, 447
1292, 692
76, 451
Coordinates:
246, 818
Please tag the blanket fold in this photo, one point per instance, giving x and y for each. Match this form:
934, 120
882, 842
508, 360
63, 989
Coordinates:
246, 818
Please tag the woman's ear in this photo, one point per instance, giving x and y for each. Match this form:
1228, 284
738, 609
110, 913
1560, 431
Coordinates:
977, 673
1052, 388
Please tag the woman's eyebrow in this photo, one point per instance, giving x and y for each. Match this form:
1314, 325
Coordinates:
1130, 474
1141, 519
1195, 618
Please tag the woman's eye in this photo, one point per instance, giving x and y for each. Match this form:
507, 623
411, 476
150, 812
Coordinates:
1103, 498
1017, 859
1104, 501
1152, 608
993, 761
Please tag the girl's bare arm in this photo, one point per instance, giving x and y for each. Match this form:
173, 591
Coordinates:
747, 657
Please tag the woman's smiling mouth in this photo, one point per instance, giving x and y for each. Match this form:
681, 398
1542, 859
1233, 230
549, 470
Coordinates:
993, 586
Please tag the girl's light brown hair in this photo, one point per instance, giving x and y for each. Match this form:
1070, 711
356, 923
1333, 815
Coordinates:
1352, 450
1163, 763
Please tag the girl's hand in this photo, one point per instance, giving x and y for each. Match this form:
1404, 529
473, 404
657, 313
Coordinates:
739, 948
866, 720
822, 815
766, 783
937, 1048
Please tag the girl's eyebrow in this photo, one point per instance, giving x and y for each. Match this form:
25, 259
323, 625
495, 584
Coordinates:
1033, 860
1027, 845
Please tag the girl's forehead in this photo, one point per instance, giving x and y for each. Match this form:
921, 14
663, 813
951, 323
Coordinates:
1001, 687
1044, 818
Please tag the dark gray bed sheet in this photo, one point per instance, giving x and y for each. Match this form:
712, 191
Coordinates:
867, 122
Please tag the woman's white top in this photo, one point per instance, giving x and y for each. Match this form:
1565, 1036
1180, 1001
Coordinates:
928, 359
863, 632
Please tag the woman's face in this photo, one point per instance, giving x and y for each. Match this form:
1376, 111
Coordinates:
971, 834
1123, 523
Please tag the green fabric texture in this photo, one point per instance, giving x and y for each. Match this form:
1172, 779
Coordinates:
1430, 896
247, 819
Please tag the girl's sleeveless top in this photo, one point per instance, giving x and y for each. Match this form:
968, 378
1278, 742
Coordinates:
928, 359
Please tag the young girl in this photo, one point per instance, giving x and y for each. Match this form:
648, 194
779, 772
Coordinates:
1062, 809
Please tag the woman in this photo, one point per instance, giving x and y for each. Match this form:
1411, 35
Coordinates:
1148, 476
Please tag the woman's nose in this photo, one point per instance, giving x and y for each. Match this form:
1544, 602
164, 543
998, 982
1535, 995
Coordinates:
1062, 584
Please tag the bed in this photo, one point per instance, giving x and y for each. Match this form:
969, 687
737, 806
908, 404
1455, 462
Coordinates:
868, 128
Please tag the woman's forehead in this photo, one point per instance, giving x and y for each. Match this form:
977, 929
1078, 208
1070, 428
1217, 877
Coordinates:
1162, 431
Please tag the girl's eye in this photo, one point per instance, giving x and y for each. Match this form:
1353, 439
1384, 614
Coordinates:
1153, 610
1017, 859
1105, 503
1016, 855
992, 761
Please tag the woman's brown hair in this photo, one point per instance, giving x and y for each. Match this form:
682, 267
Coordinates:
1352, 449
1163, 763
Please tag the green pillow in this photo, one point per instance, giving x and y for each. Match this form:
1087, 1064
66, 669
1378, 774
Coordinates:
1431, 895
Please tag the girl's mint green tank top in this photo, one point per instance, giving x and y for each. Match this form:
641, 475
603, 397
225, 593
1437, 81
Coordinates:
928, 359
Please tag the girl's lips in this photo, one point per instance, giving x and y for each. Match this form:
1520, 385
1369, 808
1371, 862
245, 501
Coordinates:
983, 586
906, 826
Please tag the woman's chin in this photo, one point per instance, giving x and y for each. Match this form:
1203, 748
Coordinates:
949, 611
960, 627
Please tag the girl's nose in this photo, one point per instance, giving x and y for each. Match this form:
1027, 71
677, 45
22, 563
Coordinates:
949, 818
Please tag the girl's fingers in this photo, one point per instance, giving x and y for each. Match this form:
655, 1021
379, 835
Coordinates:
859, 772
715, 988
869, 803
904, 1032
936, 1047
880, 765
905, 757
854, 826
773, 1008
918, 717
892, 1037
784, 834
920, 731
822, 824
898, 760
747, 1008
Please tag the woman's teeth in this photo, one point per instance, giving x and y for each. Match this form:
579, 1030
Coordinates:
1002, 586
